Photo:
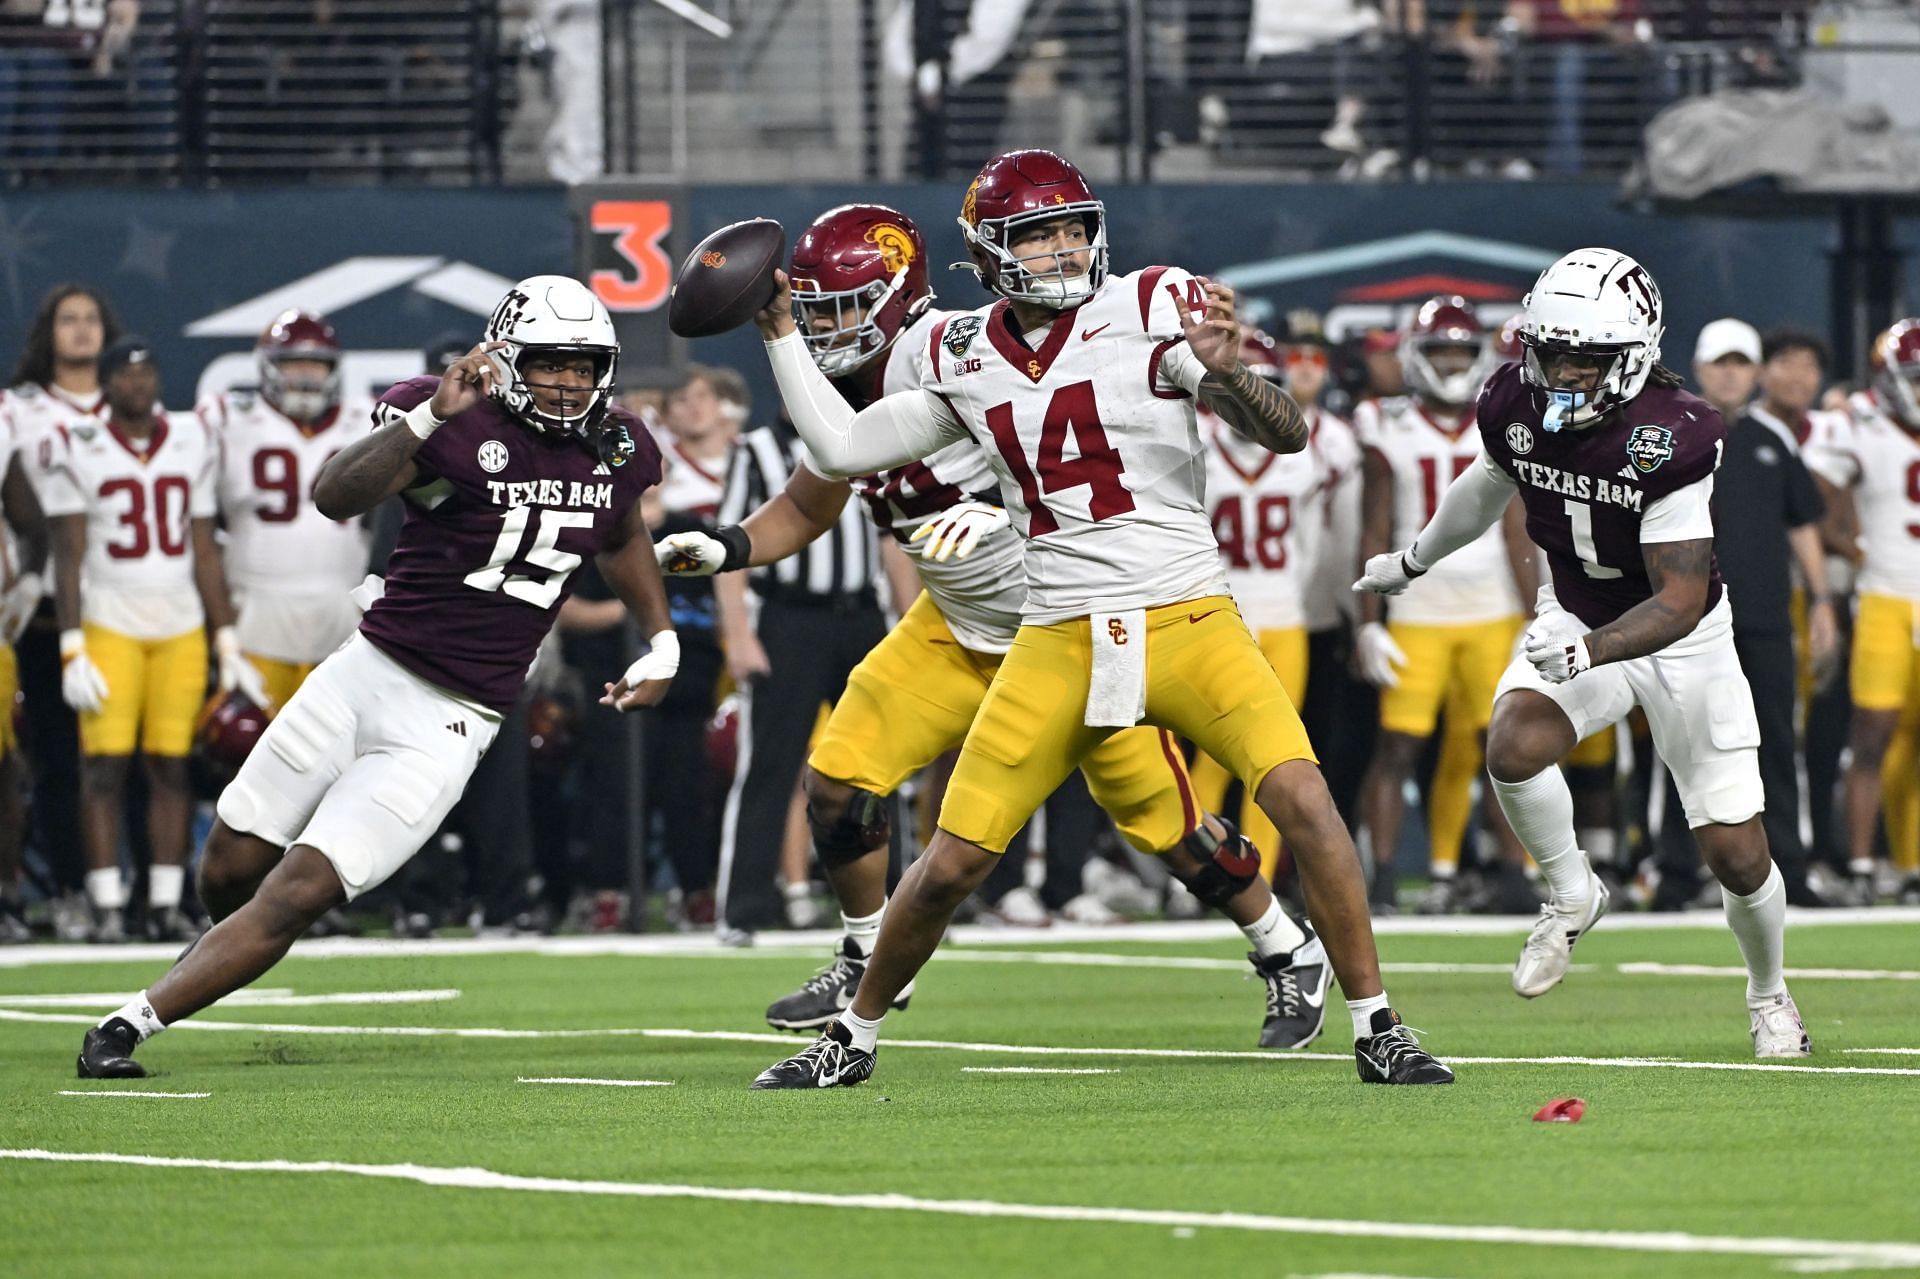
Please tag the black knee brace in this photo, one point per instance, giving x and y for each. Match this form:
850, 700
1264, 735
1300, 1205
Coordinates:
862, 826
1227, 865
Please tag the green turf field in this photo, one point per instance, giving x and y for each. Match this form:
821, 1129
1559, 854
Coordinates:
441, 1162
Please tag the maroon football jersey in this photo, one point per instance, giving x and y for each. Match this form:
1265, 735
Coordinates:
497, 522
1584, 490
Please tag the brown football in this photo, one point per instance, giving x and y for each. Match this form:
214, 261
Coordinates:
727, 277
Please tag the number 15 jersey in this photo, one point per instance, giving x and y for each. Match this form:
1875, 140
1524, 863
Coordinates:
1089, 424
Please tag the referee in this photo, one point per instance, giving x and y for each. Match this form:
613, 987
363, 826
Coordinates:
790, 646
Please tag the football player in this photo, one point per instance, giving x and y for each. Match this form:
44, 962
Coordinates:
23, 553
1079, 389
1614, 463
1876, 460
514, 467
859, 281
137, 577
1272, 515
292, 568
1448, 637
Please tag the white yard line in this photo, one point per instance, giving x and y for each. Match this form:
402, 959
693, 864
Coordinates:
1796, 974
74, 1092
271, 997
1037, 1070
105, 1000
965, 935
609, 1083
1894, 1052
948, 1045
1673, 1241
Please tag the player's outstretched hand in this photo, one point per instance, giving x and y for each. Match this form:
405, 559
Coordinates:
1388, 573
954, 532
1377, 658
648, 679
775, 319
1215, 337
1556, 644
467, 381
690, 554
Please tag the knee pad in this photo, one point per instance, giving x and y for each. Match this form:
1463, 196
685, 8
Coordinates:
1227, 865
862, 826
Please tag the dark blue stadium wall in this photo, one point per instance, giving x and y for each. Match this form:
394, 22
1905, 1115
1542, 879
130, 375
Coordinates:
172, 260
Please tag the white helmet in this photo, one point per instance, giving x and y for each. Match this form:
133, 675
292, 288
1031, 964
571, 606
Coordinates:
552, 313
1597, 302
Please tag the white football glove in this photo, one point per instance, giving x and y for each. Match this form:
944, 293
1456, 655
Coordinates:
1389, 574
660, 661
1377, 656
1557, 646
17, 607
690, 554
236, 672
81, 683
954, 532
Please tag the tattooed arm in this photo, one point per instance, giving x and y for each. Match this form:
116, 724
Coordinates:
1256, 408
1679, 573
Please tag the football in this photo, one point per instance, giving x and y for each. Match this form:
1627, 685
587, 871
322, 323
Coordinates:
727, 277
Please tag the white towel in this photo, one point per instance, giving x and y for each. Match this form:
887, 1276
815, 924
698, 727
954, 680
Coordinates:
364, 595
1117, 689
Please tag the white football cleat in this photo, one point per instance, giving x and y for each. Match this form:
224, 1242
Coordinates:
1543, 960
1777, 1029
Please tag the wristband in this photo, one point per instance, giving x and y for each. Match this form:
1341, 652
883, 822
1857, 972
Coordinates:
739, 547
421, 421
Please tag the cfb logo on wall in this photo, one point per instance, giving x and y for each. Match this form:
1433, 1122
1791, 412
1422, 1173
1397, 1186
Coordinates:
1379, 284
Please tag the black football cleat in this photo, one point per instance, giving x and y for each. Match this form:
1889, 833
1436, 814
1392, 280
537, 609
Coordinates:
1297, 985
831, 1061
107, 1052
826, 994
1391, 1055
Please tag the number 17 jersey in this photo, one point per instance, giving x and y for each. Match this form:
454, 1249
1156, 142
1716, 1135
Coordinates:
1089, 424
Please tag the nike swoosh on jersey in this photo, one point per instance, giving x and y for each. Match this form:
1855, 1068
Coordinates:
1088, 335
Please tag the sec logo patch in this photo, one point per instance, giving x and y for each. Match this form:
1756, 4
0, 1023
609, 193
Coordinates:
1519, 437
493, 457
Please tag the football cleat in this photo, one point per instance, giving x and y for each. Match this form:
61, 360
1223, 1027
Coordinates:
1391, 1055
827, 993
1543, 960
171, 924
1296, 994
107, 1052
1777, 1029
109, 928
831, 1061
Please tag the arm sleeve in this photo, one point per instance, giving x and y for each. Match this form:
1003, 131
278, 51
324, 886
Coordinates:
1684, 515
1179, 369
1467, 509
892, 431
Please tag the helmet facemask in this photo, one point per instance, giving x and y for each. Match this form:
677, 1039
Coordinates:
855, 336
1622, 372
1007, 273
303, 399
1898, 386
1452, 388
515, 394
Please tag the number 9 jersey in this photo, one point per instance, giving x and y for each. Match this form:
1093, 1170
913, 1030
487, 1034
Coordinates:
290, 567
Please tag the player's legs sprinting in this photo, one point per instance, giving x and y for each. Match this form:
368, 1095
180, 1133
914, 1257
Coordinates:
1755, 899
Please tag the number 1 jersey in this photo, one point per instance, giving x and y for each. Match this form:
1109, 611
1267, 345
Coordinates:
497, 521
1089, 424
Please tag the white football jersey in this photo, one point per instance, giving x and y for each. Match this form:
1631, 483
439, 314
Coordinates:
1089, 425
290, 567
139, 500
980, 596
1880, 461
34, 414
1475, 583
1823, 438
1270, 514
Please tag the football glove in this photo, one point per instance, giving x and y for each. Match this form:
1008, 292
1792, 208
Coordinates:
17, 607
237, 674
1557, 646
81, 683
1390, 574
1377, 656
954, 532
704, 554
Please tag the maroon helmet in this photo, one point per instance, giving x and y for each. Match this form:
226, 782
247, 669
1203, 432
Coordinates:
1022, 187
299, 335
1446, 321
1896, 372
862, 268
229, 727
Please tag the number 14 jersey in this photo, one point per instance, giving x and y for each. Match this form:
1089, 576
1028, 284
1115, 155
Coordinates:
1089, 424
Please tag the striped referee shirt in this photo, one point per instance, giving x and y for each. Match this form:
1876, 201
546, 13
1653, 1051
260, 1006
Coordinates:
842, 562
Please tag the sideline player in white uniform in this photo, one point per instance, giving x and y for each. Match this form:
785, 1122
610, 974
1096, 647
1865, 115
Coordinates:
1448, 638
137, 576
862, 292
23, 554
1270, 514
292, 568
1080, 389
1615, 465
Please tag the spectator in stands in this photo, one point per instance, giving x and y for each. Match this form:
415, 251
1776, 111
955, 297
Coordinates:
955, 55
43, 45
1577, 36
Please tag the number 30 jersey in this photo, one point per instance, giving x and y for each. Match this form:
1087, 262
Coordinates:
1474, 584
497, 521
1089, 424
140, 499
290, 566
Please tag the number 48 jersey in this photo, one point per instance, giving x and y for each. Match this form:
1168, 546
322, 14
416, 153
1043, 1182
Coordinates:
1089, 424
